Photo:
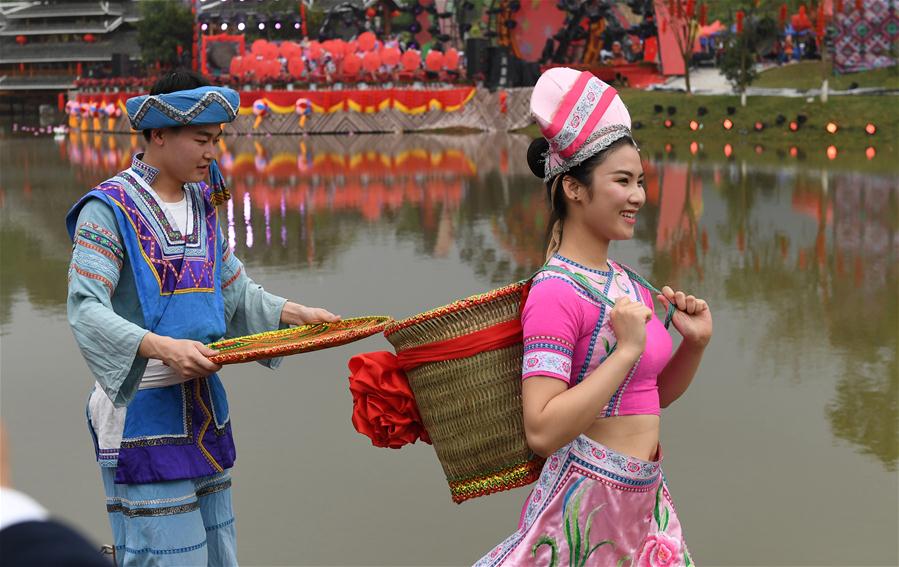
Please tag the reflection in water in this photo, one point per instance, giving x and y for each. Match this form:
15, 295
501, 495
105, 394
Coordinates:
814, 251
440, 192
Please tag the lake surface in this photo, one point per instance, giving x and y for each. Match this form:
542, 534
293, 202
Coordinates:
783, 452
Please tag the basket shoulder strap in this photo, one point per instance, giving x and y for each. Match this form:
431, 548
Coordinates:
637, 278
581, 281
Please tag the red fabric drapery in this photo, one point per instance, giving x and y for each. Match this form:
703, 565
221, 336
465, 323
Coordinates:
412, 101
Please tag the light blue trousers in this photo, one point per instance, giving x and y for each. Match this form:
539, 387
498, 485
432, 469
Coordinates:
180, 522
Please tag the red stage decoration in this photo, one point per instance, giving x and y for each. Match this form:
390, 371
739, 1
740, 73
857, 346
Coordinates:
390, 56
704, 14
411, 60
314, 50
296, 67
264, 49
351, 65
238, 40
782, 17
289, 49
451, 59
408, 101
260, 110
303, 107
819, 22
740, 16
367, 41
371, 61
236, 67
21, 39
434, 61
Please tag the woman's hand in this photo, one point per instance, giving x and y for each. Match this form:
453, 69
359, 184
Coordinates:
629, 320
296, 314
692, 319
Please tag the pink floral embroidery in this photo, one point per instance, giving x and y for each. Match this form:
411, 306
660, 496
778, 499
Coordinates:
532, 362
599, 454
554, 463
575, 121
566, 367
633, 467
660, 550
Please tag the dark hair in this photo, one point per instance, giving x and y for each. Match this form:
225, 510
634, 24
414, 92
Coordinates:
179, 80
582, 173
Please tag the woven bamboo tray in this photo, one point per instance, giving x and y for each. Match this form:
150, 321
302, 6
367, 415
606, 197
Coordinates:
295, 340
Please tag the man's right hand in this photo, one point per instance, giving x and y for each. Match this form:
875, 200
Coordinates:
188, 358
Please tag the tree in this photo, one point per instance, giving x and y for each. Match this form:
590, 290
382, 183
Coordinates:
741, 47
164, 26
683, 18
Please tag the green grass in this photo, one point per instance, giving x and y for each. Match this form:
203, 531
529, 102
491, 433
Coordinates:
807, 75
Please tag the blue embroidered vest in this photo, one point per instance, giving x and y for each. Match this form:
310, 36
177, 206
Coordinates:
180, 431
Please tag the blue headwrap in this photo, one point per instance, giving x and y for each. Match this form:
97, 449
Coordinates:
203, 105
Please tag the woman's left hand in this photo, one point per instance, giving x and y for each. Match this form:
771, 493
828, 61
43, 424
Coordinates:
692, 318
296, 314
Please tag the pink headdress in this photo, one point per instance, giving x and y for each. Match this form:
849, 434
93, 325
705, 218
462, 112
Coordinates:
579, 116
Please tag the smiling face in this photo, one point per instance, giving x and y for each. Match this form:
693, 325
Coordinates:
608, 209
186, 152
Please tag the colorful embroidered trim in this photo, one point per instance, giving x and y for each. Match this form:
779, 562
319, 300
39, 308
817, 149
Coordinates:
515, 476
305, 338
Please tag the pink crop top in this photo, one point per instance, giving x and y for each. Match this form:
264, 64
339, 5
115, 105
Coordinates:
567, 334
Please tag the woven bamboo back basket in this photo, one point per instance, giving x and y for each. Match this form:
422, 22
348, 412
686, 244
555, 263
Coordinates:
471, 407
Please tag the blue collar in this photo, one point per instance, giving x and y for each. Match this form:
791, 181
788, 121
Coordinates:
146, 172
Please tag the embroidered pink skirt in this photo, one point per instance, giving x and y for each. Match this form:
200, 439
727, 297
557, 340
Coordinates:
593, 506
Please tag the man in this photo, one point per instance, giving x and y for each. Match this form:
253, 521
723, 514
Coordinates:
152, 280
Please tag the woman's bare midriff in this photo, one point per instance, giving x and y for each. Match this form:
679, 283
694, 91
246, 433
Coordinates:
634, 435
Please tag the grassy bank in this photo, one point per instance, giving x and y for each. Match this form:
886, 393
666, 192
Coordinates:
807, 75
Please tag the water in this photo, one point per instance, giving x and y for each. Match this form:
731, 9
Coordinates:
783, 452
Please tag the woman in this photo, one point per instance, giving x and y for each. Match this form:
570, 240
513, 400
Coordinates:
596, 373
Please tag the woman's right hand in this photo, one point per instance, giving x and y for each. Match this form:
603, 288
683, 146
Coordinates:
188, 358
629, 319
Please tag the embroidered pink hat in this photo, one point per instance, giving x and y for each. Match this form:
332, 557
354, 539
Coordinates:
579, 115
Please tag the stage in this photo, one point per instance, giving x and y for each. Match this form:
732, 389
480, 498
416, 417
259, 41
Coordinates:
336, 111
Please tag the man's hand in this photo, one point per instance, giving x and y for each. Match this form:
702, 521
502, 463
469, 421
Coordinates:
188, 358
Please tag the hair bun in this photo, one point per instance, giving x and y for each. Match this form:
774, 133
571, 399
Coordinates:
536, 159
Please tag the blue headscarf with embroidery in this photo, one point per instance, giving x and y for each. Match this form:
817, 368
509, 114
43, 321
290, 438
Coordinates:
203, 105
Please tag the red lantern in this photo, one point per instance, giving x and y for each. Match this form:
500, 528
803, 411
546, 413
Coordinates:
371, 61
21, 39
236, 68
704, 14
782, 18
89, 38
352, 65
390, 56
451, 59
296, 67
411, 60
314, 50
434, 61
371, 13
289, 50
367, 40
740, 16
691, 9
